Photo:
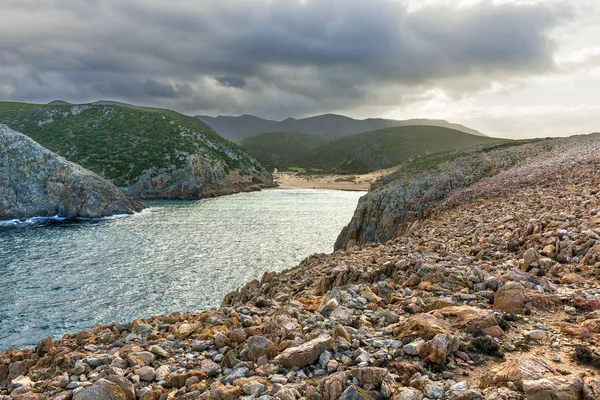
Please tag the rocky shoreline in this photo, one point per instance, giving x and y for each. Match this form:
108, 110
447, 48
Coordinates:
495, 296
198, 180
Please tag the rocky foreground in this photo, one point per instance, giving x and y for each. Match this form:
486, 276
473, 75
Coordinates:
495, 296
34, 182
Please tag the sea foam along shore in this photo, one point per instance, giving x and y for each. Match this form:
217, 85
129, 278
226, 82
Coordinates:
56, 218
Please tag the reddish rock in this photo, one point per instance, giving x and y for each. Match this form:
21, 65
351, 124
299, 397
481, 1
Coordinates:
424, 326
510, 298
516, 371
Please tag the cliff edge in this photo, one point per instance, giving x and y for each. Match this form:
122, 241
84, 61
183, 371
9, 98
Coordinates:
34, 182
446, 179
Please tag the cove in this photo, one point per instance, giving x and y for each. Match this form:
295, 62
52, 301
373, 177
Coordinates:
61, 276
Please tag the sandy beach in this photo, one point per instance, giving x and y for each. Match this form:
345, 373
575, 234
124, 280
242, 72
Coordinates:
294, 180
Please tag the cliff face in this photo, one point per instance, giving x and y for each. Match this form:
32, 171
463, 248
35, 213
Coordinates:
198, 179
35, 182
149, 153
451, 178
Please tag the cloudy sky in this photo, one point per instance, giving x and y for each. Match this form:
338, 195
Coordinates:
510, 68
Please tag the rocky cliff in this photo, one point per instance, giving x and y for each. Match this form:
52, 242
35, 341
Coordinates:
35, 182
493, 296
149, 153
200, 177
420, 185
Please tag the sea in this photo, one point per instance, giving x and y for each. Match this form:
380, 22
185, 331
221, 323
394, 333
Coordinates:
62, 276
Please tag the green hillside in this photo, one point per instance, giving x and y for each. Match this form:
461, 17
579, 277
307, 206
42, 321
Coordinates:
120, 142
285, 149
362, 152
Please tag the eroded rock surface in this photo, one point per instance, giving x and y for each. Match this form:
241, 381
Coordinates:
35, 182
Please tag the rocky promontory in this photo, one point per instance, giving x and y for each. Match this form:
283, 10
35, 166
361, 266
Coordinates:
148, 153
493, 294
421, 185
34, 182
199, 178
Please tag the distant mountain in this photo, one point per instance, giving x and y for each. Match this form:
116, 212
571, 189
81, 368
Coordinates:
358, 153
151, 153
112, 103
59, 103
100, 102
235, 128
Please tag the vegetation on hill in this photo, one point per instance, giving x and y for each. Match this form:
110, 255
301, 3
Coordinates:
432, 163
235, 128
359, 153
119, 143
285, 150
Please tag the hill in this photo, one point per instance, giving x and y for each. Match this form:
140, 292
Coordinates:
99, 102
358, 153
453, 178
151, 153
285, 149
241, 127
59, 103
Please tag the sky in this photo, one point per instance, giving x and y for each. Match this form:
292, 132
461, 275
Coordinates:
509, 68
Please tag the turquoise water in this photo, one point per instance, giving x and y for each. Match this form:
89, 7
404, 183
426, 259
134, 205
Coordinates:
59, 277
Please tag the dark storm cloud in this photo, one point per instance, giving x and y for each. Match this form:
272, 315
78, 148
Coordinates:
286, 57
232, 81
121, 86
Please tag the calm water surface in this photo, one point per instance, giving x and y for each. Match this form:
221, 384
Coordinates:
176, 256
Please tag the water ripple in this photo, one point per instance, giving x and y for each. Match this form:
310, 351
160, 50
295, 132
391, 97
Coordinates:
64, 276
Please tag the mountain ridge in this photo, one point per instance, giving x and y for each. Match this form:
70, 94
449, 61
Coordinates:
243, 126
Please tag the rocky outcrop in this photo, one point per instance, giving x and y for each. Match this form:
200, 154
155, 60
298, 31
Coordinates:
35, 182
201, 177
510, 298
306, 353
517, 371
420, 185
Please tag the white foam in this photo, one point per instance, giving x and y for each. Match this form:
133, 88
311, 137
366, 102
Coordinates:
140, 213
56, 218
31, 221
115, 216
